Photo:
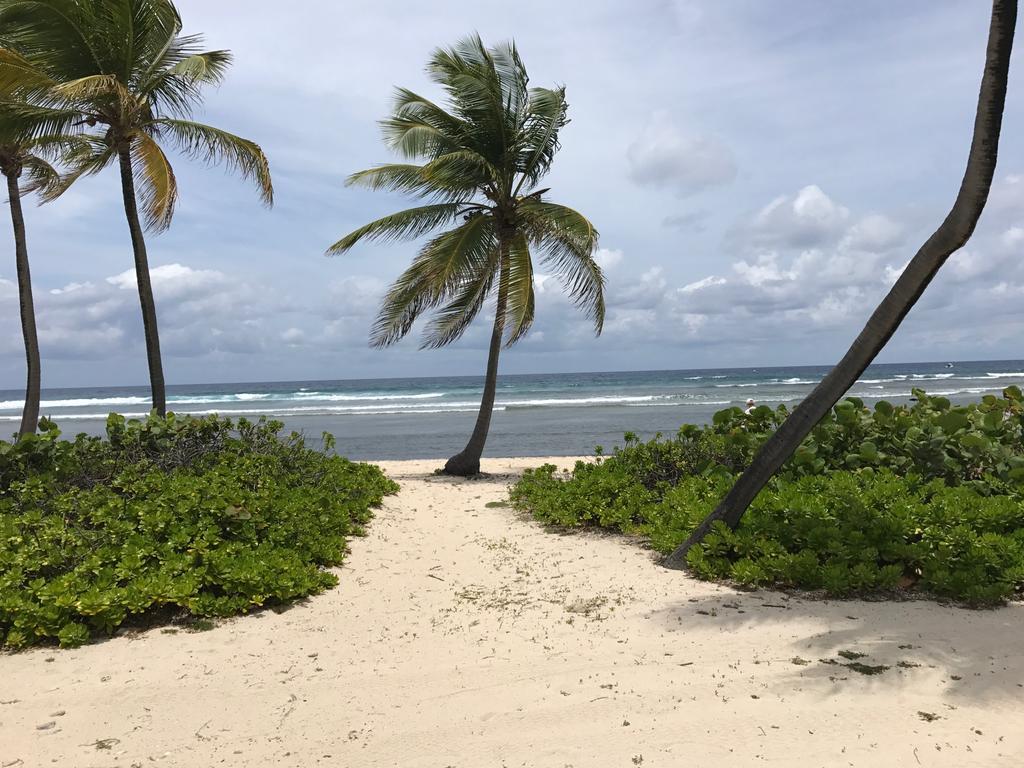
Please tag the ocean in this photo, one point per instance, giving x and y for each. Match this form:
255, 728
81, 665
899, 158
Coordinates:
535, 415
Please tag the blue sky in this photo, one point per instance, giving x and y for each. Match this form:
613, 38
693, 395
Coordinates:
759, 173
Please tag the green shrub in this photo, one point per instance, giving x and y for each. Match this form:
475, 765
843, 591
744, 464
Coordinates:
925, 496
981, 444
193, 515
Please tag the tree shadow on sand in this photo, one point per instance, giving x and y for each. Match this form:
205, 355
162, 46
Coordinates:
888, 644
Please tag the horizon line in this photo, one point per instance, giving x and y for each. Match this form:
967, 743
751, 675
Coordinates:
512, 375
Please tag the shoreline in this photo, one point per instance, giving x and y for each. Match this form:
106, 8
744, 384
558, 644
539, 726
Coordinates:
464, 634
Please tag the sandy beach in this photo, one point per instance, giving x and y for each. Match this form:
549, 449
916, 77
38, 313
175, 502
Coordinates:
463, 635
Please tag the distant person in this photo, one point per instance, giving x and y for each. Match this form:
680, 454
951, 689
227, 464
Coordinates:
751, 405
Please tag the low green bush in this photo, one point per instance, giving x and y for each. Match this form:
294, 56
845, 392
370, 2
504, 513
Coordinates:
924, 496
198, 516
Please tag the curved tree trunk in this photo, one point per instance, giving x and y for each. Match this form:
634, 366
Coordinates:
951, 235
30, 413
467, 462
156, 369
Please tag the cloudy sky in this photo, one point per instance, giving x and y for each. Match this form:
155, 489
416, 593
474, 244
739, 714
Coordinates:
759, 173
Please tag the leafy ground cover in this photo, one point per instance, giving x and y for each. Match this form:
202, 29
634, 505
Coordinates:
927, 496
169, 517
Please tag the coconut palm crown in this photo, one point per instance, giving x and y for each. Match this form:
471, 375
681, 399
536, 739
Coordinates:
123, 73
481, 160
28, 155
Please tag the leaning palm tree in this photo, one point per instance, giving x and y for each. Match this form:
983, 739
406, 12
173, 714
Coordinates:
133, 80
25, 163
952, 234
482, 158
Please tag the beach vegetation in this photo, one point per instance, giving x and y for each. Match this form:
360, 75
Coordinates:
925, 497
482, 158
165, 520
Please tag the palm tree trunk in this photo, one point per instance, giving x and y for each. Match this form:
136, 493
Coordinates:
156, 369
30, 413
951, 235
467, 462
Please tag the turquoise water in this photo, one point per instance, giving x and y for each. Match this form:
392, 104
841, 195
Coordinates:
542, 414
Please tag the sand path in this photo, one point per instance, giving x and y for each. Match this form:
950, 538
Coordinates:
464, 636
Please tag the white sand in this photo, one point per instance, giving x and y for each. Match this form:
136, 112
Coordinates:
464, 636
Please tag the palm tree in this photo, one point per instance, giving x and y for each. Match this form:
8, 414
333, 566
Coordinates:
482, 158
951, 235
25, 156
125, 69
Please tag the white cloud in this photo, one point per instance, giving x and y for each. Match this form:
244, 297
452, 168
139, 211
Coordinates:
200, 313
174, 280
643, 292
665, 156
764, 271
1007, 290
804, 220
793, 296
293, 336
70, 288
1013, 237
892, 273
874, 232
608, 259
707, 282
692, 221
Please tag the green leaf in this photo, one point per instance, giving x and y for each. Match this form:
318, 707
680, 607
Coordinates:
869, 451
953, 421
975, 441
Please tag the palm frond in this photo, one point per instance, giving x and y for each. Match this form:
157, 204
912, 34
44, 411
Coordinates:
150, 28
90, 155
413, 138
208, 67
169, 94
32, 120
60, 36
461, 253
570, 225
519, 291
539, 136
567, 241
420, 128
57, 147
36, 137
38, 176
451, 321
173, 80
468, 73
106, 89
158, 188
404, 225
511, 73
441, 269
19, 78
462, 170
401, 306
215, 146
407, 178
